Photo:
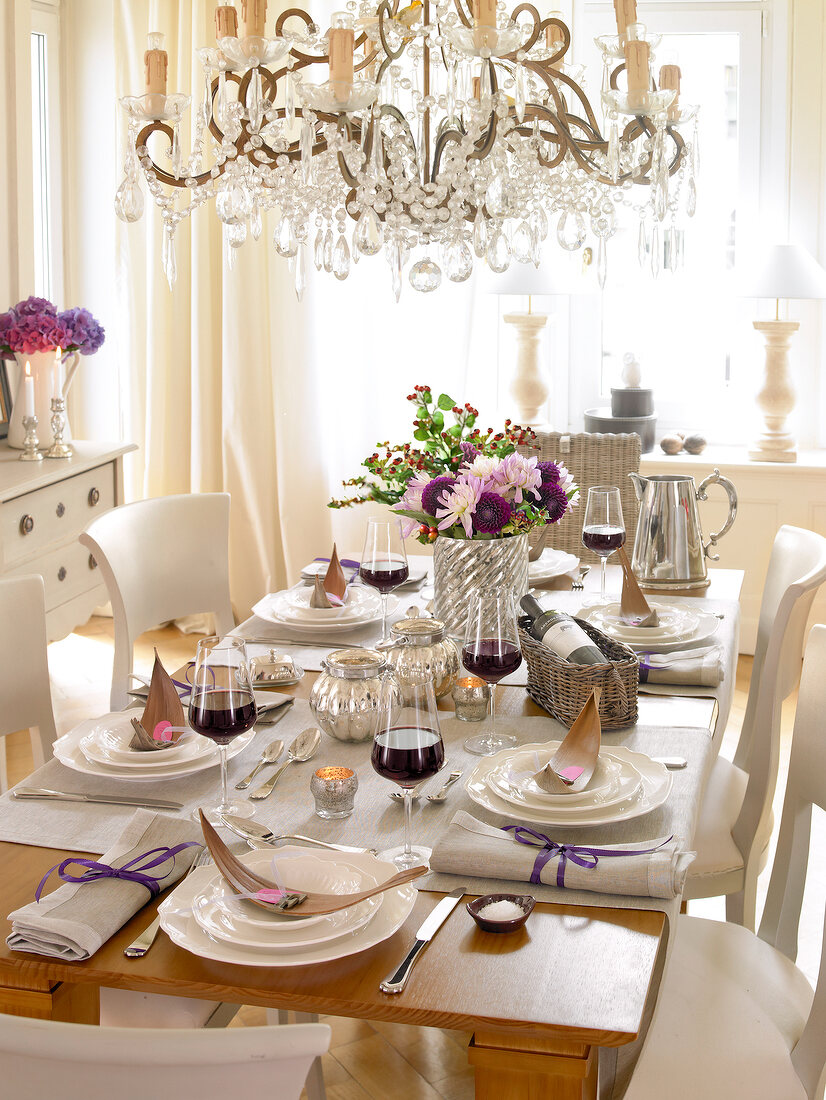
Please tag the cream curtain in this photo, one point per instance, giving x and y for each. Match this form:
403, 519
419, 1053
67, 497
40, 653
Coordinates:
226, 381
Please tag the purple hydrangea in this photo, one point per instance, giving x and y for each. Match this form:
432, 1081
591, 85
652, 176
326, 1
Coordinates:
554, 498
433, 490
35, 307
492, 513
86, 334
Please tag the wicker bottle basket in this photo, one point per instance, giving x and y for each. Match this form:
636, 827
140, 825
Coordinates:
562, 688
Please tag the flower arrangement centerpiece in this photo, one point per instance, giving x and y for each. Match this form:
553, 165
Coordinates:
34, 332
470, 493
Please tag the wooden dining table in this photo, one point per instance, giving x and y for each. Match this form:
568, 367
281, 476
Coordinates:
539, 1003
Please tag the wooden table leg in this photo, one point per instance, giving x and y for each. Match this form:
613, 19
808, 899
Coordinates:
79, 1004
506, 1069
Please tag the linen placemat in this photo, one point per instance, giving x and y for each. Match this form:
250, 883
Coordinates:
73, 921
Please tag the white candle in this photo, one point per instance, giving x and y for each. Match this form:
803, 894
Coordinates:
56, 387
28, 384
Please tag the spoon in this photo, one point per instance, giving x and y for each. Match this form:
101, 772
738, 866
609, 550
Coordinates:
441, 794
304, 747
270, 755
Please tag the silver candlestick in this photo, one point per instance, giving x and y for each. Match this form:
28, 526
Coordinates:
30, 441
59, 449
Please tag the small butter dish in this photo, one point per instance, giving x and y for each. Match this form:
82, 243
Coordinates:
275, 670
498, 912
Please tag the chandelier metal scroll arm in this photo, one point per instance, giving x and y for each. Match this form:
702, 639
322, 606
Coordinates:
465, 18
167, 177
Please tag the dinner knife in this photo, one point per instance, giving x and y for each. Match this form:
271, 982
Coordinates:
113, 800
395, 982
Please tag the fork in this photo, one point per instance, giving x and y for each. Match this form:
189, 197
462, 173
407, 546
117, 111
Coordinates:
138, 948
578, 585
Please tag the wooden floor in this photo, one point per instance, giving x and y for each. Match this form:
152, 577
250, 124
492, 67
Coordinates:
366, 1060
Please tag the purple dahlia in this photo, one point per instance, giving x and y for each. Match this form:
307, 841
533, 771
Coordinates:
492, 514
548, 471
553, 498
469, 452
433, 490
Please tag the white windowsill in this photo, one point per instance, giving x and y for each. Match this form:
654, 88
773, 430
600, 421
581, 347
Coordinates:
733, 458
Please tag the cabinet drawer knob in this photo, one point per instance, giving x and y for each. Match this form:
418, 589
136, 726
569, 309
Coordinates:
60, 511
61, 573
94, 497
92, 563
26, 525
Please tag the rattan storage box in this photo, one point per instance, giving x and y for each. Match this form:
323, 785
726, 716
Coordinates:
563, 688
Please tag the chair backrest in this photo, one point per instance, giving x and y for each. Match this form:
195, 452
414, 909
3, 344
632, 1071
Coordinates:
25, 692
592, 459
80, 1062
162, 559
806, 787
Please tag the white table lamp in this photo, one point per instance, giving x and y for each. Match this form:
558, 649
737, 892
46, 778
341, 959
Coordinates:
787, 271
529, 388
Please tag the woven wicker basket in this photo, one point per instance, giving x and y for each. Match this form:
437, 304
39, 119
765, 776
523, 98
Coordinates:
562, 688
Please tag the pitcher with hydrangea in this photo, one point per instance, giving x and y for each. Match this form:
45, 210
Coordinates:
35, 332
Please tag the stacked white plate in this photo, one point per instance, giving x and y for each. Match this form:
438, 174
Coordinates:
678, 626
204, 915
551, 563
291, 609
625, 784
100, 746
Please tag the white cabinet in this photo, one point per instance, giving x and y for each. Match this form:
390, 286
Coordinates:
770, 494
44, 506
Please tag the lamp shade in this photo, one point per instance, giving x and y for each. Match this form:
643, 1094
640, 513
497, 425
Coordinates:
785, 271
557, 275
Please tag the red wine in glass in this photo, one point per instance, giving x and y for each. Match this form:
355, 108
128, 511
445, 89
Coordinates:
385, 576
407, 754
603, 540
222, 715
491, 659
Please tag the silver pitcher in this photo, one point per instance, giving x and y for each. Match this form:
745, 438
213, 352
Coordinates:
669, 552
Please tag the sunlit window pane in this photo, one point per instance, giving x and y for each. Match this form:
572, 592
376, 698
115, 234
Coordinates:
40, 155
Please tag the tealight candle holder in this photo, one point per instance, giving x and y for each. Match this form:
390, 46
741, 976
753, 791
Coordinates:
334, 790
471, 697
30, 441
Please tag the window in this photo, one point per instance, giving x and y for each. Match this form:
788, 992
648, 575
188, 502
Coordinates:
47, 251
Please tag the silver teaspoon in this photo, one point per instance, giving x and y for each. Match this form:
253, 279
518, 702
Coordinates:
304, 747
269, 756
441, 795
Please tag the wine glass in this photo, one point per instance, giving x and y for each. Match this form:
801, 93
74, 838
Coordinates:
407, 747
491, 652
603, 530
384, 562
221, 707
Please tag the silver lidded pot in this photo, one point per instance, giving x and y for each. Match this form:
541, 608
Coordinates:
345, 696
422, 645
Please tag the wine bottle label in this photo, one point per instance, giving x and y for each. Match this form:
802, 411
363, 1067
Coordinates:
570, 642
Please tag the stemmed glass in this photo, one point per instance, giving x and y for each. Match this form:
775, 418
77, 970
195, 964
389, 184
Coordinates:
491, 652
384, 562
603, 530
407, 747
221, 707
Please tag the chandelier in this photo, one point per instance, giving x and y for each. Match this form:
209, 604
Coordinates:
443, 134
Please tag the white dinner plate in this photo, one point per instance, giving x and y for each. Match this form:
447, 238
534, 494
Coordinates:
180, 925
359, 602
689, 631
551, 563
655, 788
513, 780
270, 609
223, 915
108, 744
68, 751
627, 791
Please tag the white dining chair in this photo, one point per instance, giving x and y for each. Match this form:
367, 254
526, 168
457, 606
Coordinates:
735, 1017
40, 1058
735, 821
25, 691
161, 559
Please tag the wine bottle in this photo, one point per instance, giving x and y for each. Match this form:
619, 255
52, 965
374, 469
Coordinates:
561, 633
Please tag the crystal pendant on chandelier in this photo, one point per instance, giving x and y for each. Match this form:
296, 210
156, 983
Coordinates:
300, 271
434, 138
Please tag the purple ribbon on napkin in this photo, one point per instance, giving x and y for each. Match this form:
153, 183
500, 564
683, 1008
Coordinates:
133, 871
579, 854
348, 563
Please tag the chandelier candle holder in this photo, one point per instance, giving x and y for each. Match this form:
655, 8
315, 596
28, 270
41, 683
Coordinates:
444, 133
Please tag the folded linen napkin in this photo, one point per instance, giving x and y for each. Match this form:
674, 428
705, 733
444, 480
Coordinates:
687, 666
76, 919
655, 868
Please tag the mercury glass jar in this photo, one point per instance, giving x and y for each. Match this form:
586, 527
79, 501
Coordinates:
345, 696
421, 645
